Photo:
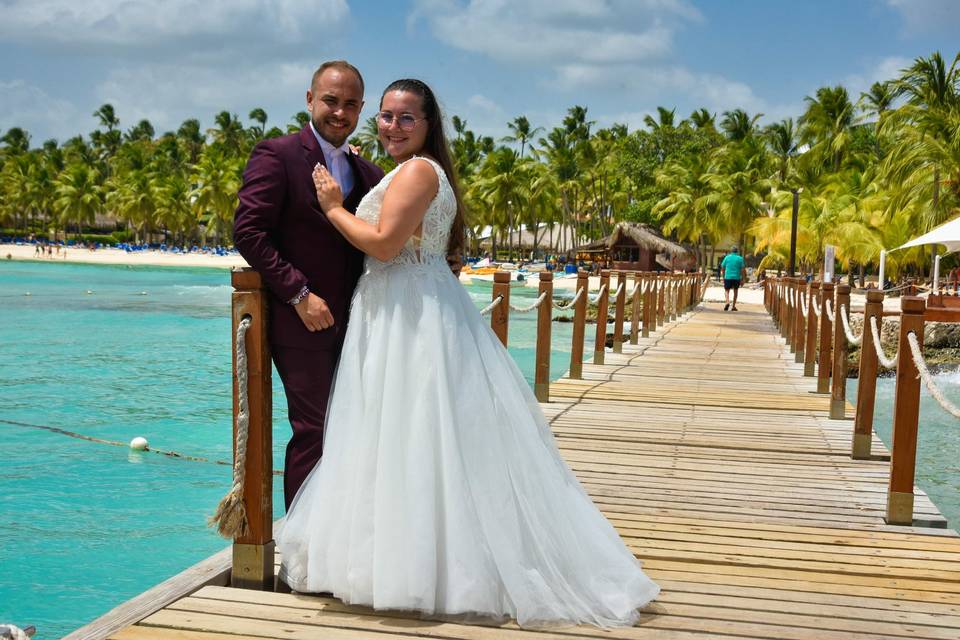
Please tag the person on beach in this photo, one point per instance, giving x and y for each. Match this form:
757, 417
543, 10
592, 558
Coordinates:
441, 489
309, 269
732, 267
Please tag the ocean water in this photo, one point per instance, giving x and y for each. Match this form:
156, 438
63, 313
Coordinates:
112, 353
86, 525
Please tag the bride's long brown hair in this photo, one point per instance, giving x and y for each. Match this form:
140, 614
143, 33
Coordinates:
436, 145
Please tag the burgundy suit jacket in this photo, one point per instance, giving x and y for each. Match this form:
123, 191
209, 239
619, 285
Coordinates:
281, 232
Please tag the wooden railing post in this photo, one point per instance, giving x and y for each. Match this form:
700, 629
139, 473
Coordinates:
785, 308
579, 325
867, 379
619, 312
649, 295
824, 361
838, 388
541, 376
671, 297
766, 294
799, 326
603, 300
791, 309
906, 415
661, 299
635, 309
810, 357
253, 554
500, 316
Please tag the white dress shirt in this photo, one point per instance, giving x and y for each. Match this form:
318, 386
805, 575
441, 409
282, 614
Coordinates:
337, 163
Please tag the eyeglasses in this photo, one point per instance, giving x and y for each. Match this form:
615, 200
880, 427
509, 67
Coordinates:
405, 121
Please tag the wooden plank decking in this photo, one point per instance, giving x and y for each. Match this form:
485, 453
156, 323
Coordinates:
708, 450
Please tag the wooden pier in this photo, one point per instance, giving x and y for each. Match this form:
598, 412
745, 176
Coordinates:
710, 452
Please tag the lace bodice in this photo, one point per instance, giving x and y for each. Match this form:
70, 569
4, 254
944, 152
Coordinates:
431, 246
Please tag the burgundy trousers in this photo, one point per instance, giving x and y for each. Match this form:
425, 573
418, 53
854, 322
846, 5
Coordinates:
307, 376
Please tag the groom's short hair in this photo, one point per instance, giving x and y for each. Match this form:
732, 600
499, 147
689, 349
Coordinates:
342, 65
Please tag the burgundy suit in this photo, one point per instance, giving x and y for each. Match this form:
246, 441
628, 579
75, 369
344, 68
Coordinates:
281, 232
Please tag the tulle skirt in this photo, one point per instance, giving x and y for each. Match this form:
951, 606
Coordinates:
441, 488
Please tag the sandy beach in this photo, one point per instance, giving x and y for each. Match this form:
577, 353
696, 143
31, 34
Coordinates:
751, 293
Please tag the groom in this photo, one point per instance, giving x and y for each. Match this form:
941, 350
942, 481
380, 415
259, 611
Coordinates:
310, 270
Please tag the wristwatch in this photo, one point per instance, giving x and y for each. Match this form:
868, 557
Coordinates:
297, 299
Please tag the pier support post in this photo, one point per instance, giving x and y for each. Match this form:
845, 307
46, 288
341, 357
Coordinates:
649, 296
661, 300
253, 553
906, 415
799, 325
579, 326
824, 359
810, 355
867, 379
500, 316
619, 312
603, 303
541, 376
635, 308
838, 388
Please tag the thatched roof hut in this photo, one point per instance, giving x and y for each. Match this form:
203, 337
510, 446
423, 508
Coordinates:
635, 246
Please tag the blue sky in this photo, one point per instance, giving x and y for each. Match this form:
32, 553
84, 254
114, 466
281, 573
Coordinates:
488, 60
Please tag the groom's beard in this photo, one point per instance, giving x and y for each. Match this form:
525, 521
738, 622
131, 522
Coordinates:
334, 135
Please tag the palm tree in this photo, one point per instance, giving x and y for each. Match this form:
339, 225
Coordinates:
665, 120
298, 121
738, 124
107, 117
228, 133
259, 116
217, 179
368, 138
521, 132
15, 141
826, 126
79, 197
703, 119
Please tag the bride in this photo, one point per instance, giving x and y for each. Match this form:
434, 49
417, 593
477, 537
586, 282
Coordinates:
441, 489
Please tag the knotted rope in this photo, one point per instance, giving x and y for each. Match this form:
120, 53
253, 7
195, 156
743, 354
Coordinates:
572, 303
845, 317
531, 307
16, 633
231, 515
830, 315
927, 377
816, 310
490, 307
889, 363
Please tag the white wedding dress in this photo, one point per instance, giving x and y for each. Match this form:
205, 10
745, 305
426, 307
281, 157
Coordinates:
441, 489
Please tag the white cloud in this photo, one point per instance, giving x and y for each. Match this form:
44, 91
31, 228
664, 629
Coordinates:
483, 103
928, 16
145, 23
33, 109
166, 94
557, 32
885, 69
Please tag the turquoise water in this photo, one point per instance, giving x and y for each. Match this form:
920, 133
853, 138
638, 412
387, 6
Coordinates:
938, 440
86, 526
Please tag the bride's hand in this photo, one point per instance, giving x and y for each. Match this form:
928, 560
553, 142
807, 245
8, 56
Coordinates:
328, 191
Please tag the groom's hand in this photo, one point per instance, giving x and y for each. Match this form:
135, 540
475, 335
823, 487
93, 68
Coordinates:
314, 313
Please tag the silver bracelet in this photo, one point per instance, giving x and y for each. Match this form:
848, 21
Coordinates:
297, 299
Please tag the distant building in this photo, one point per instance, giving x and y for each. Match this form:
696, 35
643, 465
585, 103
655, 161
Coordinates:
637, 247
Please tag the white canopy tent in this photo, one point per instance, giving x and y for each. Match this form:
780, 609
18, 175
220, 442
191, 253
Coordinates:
947, 234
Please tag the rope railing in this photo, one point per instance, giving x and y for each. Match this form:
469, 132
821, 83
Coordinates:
490, 307
230, 517
889, 363
536, 304
830, 315
566, 307
927, 377
816, 310
845, 317
616, 294
596, 298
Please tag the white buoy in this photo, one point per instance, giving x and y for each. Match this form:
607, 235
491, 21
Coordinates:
28, 294
139, 444
143, 293
89, 292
